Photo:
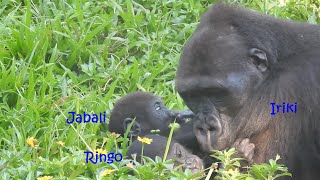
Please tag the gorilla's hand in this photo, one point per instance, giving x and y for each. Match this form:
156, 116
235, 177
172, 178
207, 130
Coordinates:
181, 116
245, 150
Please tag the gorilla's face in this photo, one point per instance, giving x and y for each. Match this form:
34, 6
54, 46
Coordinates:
217, 71
158, 115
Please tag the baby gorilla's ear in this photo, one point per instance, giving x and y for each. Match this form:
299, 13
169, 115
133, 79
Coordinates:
134, 126
179, 151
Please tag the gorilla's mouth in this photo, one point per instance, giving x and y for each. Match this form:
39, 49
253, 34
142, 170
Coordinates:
209, 140
207, 129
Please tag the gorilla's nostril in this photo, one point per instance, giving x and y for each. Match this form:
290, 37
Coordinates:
211, 129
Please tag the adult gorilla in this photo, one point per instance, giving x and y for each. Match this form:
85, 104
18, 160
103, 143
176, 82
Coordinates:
236, 63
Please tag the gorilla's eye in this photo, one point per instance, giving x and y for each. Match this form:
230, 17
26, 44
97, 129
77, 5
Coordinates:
202, 131
157, 106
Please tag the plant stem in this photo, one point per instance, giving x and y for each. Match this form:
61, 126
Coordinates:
209, 173
142, 152
168, 142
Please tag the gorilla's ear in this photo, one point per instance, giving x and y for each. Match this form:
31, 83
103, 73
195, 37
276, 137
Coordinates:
260, 59
179, 151
135, 129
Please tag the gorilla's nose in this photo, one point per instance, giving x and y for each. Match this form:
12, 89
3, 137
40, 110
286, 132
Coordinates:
206, 121
207, 129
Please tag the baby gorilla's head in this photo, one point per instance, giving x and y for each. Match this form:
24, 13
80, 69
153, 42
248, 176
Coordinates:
148, 113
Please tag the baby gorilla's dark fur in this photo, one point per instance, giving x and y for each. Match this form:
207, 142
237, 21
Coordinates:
148, 113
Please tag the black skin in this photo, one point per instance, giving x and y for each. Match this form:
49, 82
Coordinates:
235, 64
148, 113
176, 151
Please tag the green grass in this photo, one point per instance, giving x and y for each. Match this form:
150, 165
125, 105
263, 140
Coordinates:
74, 55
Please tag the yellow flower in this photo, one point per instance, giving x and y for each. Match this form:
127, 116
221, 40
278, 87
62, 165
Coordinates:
107, 172
115, 135
44, 178
145, 140
60, 143
32, 141
233, 171
101, 151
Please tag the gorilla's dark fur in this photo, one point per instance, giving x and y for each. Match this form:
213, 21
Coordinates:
148, 112
236, 63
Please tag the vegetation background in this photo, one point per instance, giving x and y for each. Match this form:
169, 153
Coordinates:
77, 55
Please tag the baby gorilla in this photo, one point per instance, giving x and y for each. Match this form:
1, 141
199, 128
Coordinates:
148, 112
176, 151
